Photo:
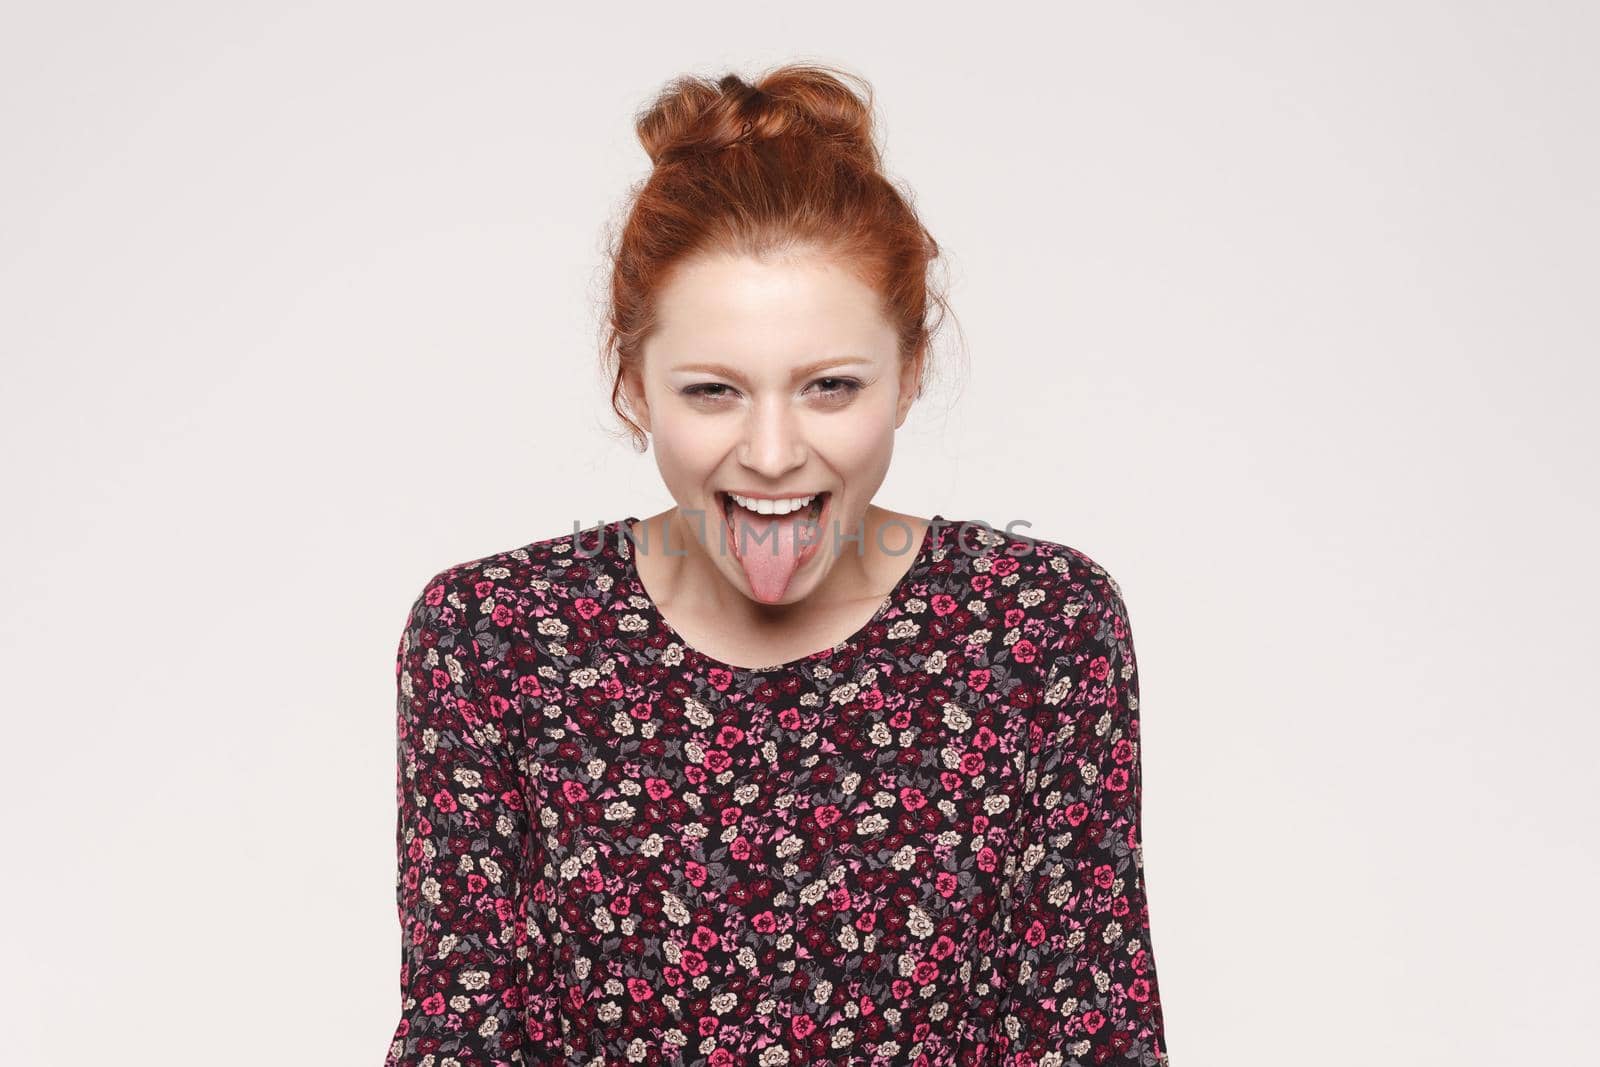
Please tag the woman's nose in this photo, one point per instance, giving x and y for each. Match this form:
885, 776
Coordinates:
774, 442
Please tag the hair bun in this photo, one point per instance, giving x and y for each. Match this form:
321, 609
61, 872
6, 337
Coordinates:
694, 116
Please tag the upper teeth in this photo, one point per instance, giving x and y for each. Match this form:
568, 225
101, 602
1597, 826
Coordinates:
773, 507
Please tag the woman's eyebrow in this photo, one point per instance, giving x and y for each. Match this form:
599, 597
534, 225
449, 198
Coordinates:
725, 371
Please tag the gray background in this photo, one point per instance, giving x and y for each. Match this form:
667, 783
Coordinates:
1284, 312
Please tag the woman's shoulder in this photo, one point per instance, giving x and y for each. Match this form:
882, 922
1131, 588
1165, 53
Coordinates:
1065, 594
533, 570
1062, 568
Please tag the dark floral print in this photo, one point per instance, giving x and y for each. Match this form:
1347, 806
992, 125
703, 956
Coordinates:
920, 846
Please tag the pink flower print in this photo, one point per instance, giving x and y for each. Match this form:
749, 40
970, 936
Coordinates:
510, 775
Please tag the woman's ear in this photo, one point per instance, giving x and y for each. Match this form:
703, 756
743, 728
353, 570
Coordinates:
633, 388
910, 387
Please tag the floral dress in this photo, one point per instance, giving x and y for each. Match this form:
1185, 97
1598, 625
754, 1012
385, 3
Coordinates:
920, 846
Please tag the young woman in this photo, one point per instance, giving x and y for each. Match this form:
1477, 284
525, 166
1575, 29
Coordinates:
777, 775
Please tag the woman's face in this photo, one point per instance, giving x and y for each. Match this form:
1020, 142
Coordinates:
773, 379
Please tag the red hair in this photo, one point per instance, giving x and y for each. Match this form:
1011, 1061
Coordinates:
786, 163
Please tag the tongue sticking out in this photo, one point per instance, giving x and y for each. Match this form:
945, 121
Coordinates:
771, 547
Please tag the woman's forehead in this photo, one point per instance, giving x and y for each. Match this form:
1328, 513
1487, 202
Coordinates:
768, 316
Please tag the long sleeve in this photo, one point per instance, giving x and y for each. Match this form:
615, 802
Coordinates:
1083, 980
460, 834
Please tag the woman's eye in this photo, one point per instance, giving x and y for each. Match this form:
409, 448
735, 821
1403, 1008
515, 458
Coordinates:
844, 386
830, 387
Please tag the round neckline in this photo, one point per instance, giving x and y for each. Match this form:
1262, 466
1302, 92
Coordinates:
623, 547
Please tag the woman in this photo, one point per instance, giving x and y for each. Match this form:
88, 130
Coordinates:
777, 775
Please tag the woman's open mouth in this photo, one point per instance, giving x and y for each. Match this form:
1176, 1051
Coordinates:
811, 506
772, 544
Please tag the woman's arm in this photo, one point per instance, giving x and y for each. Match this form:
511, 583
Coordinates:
1083, 978
461, 836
